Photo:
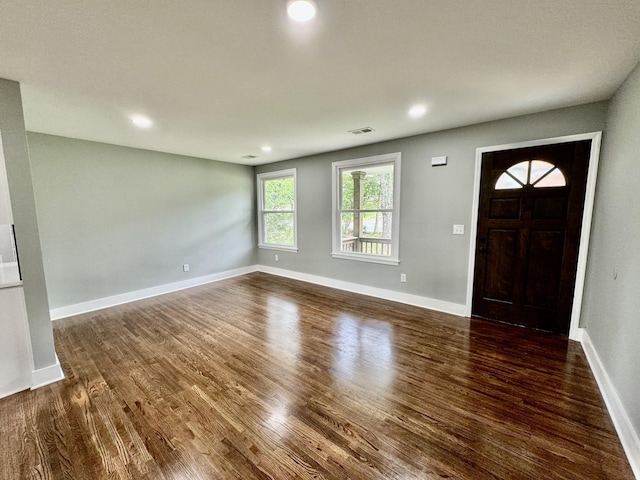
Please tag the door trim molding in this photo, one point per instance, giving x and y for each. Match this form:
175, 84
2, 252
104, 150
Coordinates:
585, 229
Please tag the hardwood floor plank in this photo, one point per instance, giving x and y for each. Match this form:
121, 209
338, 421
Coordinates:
268, 378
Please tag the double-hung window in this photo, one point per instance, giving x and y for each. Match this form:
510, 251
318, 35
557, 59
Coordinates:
277, 210
366, 209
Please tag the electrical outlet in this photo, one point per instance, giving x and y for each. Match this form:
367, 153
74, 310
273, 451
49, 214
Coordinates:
458, 229
403, 277
277, 258
185, 267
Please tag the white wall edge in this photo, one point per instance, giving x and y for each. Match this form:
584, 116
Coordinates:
627, 434
409, 299
8, 393
47, 375
106, 302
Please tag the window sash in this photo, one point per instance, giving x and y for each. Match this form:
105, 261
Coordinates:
263, 236
338, 171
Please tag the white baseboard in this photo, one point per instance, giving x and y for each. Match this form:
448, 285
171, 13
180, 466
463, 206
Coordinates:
577, 334
45, 376
106, 302
409, 299
624, 427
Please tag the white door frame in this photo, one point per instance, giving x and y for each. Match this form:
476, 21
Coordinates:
594, 158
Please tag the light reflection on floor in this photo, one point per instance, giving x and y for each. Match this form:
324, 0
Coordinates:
283, 333
283, 330
363, 352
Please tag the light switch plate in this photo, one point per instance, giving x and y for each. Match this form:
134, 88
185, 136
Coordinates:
458, 229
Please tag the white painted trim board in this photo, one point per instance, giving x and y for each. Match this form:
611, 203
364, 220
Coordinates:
47, 375
594, 159
627, 434
407, 298
106, 302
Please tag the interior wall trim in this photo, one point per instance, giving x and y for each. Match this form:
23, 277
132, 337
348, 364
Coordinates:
106, 302
407, 298
628, 435
45, 376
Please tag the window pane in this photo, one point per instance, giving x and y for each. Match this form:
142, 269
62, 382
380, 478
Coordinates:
278, 229
538, 169
374, 184
507, 182
279, 194
347, 191
554, 179
376, 225
520, 172
346, 225
375, 239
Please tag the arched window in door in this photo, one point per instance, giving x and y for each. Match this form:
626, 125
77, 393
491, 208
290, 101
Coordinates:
538, 173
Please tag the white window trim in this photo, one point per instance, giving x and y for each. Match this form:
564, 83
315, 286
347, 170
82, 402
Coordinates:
261, 177
336, 252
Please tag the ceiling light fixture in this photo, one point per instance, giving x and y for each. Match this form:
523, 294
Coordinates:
417, 111
141, 121
301, 10
266, 149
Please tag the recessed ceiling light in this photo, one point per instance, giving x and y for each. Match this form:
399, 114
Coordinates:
417, 111
141, 121
266, 149
301, 10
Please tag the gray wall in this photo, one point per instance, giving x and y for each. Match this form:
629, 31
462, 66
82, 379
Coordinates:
432, 200
611, 307
16, 155
116, 219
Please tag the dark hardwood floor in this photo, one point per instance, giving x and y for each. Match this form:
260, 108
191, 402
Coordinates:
264, 377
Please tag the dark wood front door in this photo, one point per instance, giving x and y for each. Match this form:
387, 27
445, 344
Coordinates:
529, 222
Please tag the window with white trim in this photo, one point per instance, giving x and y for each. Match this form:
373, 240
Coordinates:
366, 207
277, 222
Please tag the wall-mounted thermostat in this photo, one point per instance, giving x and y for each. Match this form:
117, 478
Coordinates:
436, 161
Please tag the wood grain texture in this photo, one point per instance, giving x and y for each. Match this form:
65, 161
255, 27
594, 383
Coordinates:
268, 378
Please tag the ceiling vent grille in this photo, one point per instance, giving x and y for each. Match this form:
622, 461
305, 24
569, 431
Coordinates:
249, 157
360, 131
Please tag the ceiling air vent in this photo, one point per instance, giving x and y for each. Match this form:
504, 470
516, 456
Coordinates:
360, 131
249, 157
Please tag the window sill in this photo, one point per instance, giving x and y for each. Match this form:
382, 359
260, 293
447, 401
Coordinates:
366, 258
282, 248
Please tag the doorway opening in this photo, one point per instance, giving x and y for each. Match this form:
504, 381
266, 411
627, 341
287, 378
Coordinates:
533, 203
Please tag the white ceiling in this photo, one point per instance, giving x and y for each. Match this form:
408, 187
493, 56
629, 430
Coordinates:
221, 78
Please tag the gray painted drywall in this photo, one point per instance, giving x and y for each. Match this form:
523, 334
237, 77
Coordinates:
116, 219
16, 156
432, 200
611, 305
